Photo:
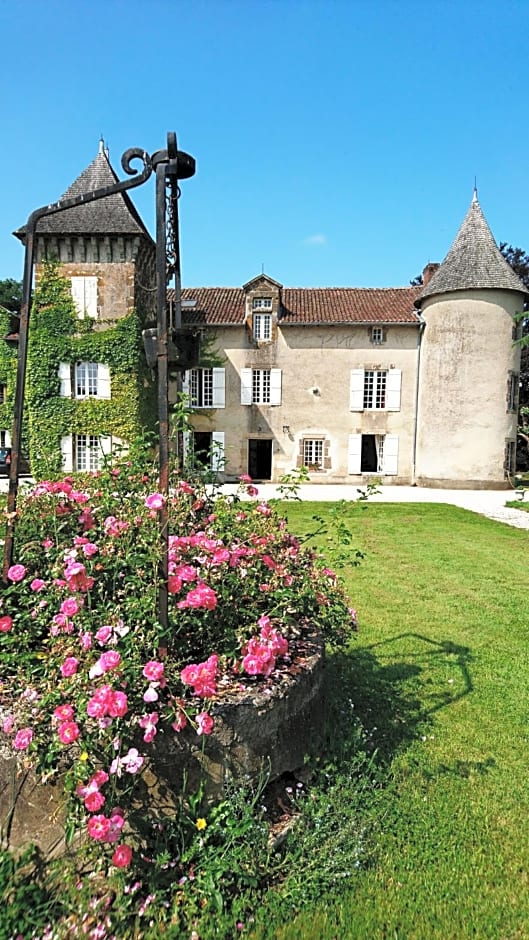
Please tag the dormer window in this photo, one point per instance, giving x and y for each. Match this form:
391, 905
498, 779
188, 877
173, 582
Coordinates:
262, 326
377, 335
262, 303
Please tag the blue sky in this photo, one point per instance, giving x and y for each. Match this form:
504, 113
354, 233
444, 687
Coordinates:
336, 141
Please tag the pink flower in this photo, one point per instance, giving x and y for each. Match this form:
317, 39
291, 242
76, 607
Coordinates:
8, 724
63, 712
70, 607
119, 705
5, 624
245, 478
103, 634
264, 509
204, 723
16, 573
109, 660
252, 491
94, 801
90, 549
185, 487
23, 739
116, 825
153, 671
98, 827
132, 761
37, 584
151, 695
180, 723
201, 596
68, 732
155, 501
148, 723
202, 677
85, 640
69, 666
122, 856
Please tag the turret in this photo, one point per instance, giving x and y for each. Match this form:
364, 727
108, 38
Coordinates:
468, 372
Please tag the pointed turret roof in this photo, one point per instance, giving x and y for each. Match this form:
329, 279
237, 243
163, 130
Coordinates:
474, 260
112, 215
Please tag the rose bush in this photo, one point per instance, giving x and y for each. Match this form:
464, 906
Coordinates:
90, 677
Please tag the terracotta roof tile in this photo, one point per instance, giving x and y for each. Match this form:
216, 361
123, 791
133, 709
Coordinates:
225, 306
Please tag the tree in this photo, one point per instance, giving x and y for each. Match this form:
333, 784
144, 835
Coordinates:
11, 294
519, 262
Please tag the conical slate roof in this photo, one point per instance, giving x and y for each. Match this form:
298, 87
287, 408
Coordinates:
112, 215
474, 261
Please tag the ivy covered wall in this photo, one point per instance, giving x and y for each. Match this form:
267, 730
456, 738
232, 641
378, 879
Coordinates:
57, 336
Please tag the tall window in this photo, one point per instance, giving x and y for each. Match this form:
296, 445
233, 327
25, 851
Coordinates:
260, 386
510, 457
262, 326
375, 389
512, 391
262, 303
201, 388
86, 374
88, 452
313, 453
377, 335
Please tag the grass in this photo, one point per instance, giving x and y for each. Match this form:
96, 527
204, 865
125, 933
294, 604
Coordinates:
439, 678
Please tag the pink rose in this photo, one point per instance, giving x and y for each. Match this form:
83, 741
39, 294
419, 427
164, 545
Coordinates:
69, 666
94, 801
155, 501
16, 573
63, 712
70, 607
122, 856
5, 624
153, 671
37, 584
98, 827
204, 723
68, 732
23, 739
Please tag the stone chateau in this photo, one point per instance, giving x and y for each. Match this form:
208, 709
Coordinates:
409, 385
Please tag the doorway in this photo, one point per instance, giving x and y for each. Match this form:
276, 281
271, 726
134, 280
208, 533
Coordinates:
260, 459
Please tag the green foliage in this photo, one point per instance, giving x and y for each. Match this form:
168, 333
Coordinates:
10, 294
58, 336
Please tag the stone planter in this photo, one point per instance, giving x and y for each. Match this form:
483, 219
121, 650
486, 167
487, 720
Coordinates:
261, 731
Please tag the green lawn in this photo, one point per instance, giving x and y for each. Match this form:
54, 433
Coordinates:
439, 677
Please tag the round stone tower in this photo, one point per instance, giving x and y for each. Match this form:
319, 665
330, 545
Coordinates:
468, 372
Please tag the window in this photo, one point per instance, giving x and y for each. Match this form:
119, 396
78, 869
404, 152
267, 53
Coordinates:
510, 458
90, 380
512, 391
375, 389
3, 390
86, 380
262, 326
262, 303
204, 450
377, 335
373, 453
84, 293
205, 388
85, 452
313, 453
260, 386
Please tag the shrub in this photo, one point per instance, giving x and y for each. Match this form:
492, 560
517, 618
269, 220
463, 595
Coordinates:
90, 676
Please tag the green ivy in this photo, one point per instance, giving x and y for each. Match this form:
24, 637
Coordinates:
56, 336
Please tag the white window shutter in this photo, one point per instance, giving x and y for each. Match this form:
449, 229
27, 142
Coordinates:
77, 289
105, 444
219, 388
246, 386
90, 297
185, 383
275, 386
67, 453
186, 446
354, 453
8, 438
65, 376
393, 385
356, 391
103, 380
217, 451
391, 454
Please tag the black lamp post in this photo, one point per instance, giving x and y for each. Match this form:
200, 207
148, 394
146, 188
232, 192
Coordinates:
168, 343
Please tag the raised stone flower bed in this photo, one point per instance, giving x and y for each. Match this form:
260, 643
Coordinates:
263, 728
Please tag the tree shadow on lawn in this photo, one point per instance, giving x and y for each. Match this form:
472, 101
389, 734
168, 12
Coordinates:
394, 699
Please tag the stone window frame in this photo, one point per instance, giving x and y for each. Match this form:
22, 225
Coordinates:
509, 463
262, 303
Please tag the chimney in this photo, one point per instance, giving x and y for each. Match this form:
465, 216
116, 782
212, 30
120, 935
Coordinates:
429, 271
